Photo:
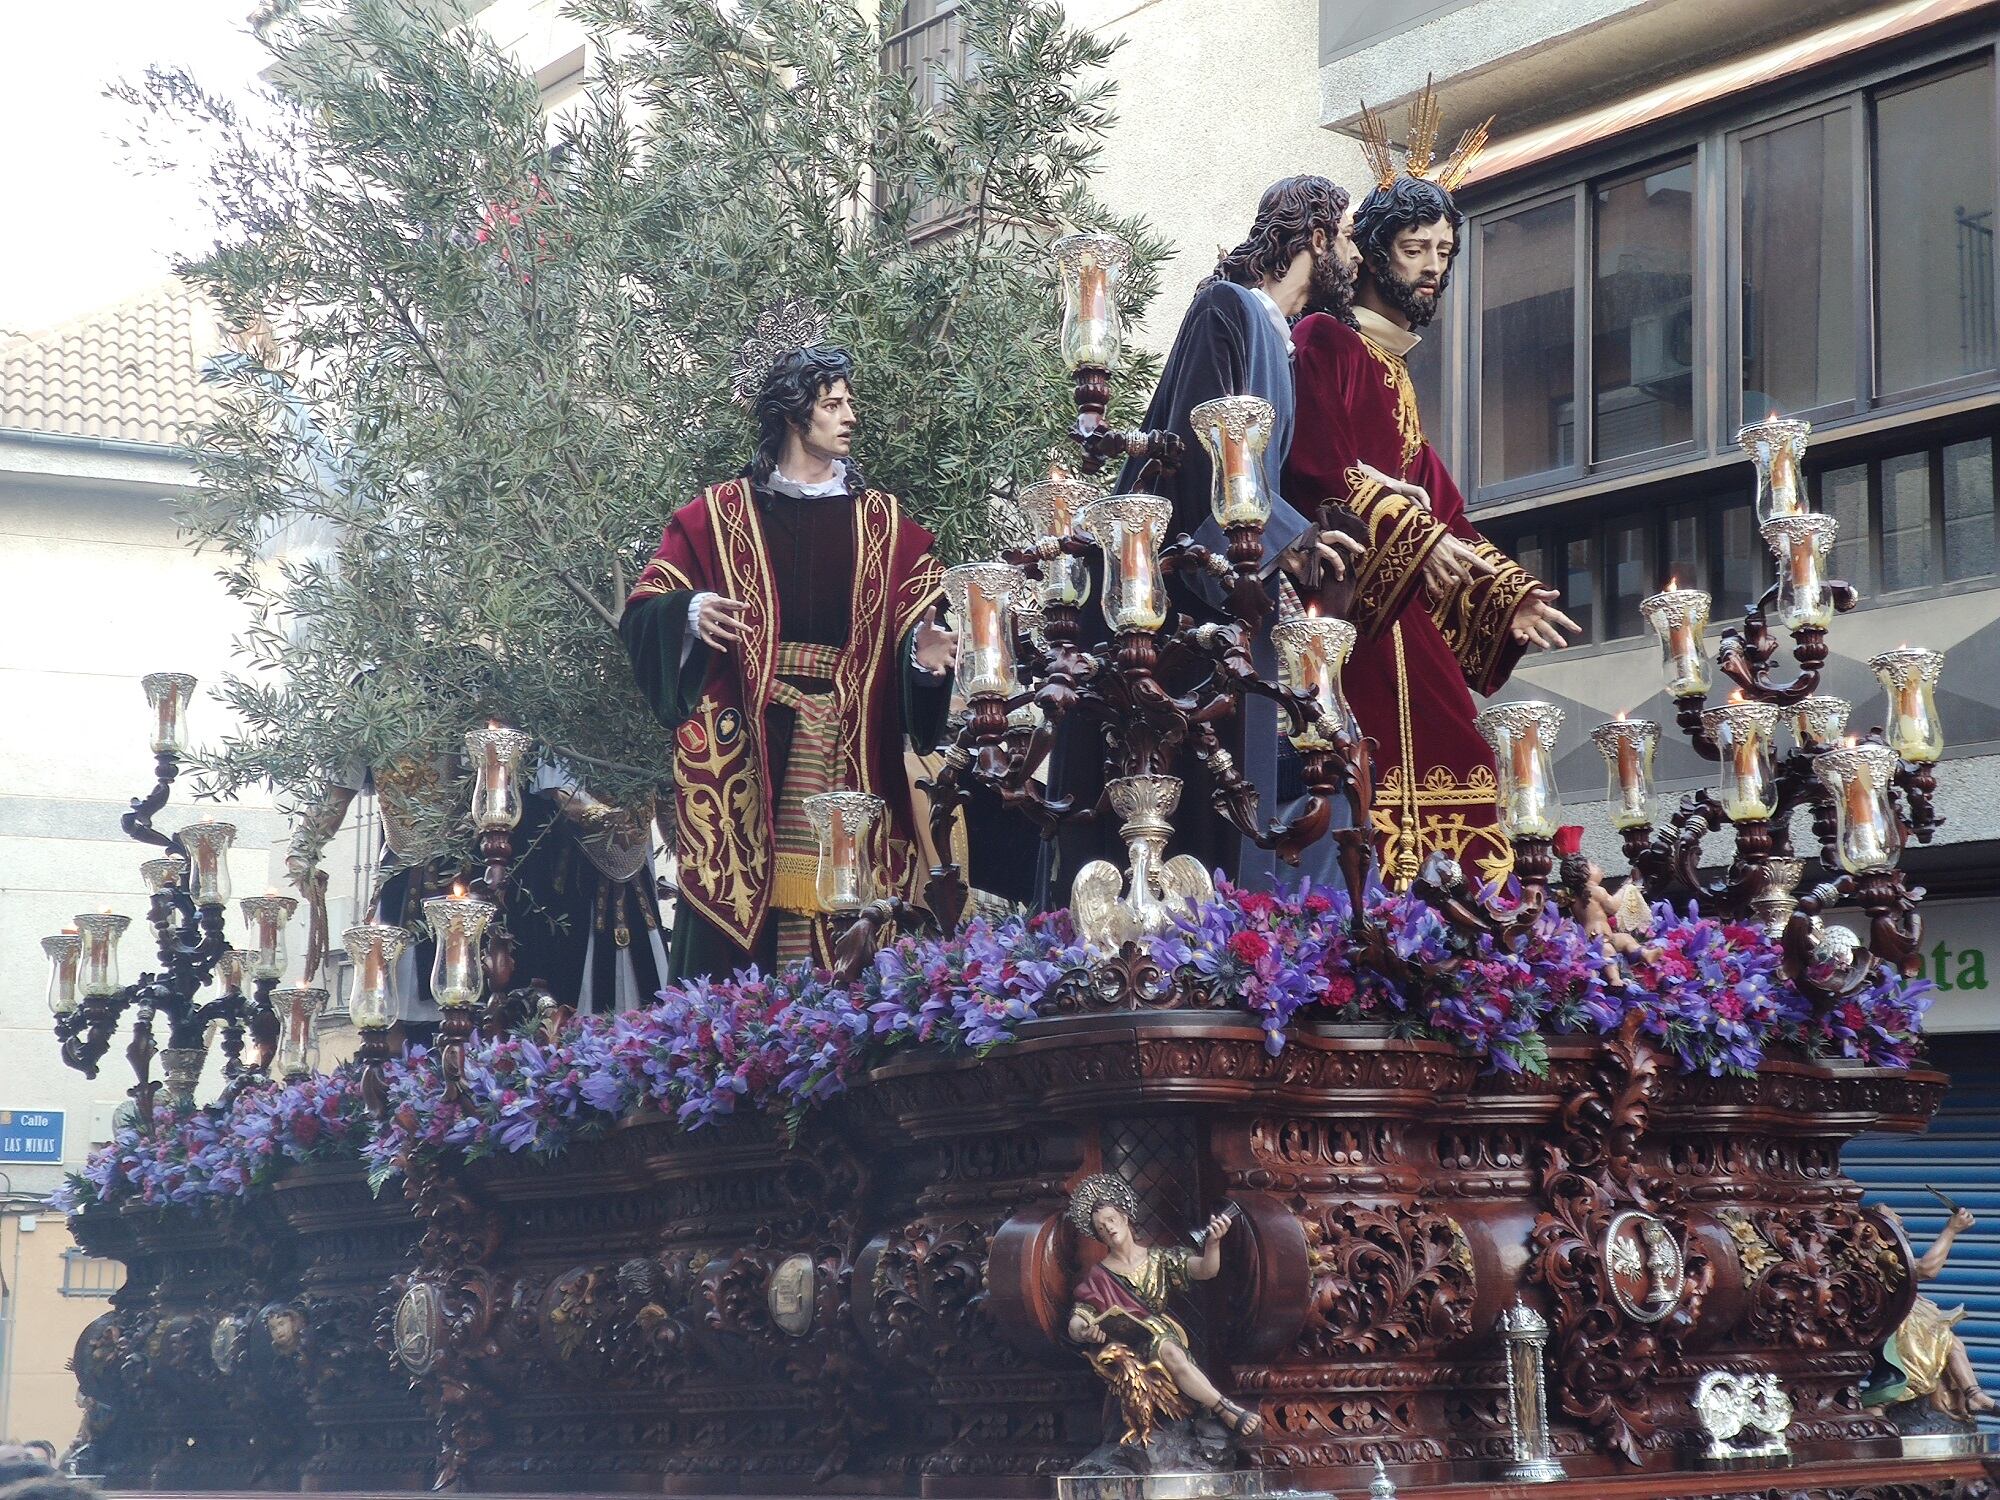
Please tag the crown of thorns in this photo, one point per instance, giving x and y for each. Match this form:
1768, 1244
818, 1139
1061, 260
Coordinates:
780, 330
1093, 1193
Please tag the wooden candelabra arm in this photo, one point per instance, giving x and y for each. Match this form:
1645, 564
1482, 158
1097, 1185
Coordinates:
1747, 651
1895, 922
856, 934
1687, 719
371, 1055
1091, 387
1918, 785
139, 1053
138, 822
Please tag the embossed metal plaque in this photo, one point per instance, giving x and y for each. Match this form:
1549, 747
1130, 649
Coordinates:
1643, 1264
419, 1327
790, 1295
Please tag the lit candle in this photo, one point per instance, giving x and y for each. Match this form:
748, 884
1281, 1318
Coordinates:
844, 824
373, 950
1909, 676
982, 596
65, 954
1819, 721
1089, 266
495, 753
1868, 835
298, 1008
1128, 529
1743, 733
1679, 617
1522, 736
1051, 508
230, 969
1777, 447
1312, 653
1628, 746
1800, 543
458, 922
1236, 430
98, 974
208, 844
167, 694
265, 916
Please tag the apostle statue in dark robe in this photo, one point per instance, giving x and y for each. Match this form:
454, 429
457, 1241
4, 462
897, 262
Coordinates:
1235, 340
1442, 614
787, 632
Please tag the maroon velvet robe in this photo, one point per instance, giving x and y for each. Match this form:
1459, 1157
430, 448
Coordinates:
1418, 661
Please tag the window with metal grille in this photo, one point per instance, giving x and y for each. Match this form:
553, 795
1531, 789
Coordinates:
86, 1275
929, 49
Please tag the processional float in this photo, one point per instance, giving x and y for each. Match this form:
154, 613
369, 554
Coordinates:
1468, 1277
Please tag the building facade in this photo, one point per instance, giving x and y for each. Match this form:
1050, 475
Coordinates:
97, 588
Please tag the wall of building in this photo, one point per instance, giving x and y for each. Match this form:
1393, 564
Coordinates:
97, 588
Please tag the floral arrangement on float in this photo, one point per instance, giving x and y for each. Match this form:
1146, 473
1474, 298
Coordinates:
1711, 994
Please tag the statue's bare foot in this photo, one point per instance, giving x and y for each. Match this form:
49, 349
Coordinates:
1977, 1401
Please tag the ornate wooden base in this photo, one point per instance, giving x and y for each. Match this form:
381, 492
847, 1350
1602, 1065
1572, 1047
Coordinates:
878, 1308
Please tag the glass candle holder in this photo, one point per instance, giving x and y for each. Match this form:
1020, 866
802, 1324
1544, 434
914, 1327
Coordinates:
163, 874
844, 823
1089, 267
373, 950
1051, 507
1861, 777
458, 923
1818, 722
1129, 530
167, 695
496, 752
1777, 448
1909, 676
97, 972
208, 844
1628, 747
264, 918
1312, 653
1744, 734
1801, 542
230, 969
1523, 737
1679, 617
298, 1008
65, 955
1236, 430
982, 596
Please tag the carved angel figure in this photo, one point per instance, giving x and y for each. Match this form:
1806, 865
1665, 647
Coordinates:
1926, 1357
1601, 914
1119, 1314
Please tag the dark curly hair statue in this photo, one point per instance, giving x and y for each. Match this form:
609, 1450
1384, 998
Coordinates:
785, 402
1287, 215
1407, 203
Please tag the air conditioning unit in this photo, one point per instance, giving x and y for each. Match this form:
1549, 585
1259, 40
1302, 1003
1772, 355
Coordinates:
1663, 344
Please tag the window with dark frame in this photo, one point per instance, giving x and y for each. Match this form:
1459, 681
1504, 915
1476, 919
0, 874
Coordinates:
1911, 519
86, 1275
1801, 256
927, 48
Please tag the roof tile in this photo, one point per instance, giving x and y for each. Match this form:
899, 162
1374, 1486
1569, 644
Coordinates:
130, 372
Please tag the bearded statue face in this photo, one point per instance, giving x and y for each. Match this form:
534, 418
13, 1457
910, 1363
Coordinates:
1414, 268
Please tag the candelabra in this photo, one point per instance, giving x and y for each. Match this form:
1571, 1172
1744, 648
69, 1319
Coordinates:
188, 888
1866, 798
1021, 685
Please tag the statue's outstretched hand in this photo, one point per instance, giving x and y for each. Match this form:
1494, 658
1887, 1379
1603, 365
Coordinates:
936, 648
719, 622
1537, 621
1962, 1220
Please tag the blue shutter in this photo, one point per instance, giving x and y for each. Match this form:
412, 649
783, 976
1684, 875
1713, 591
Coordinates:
1960, 1156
